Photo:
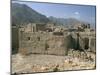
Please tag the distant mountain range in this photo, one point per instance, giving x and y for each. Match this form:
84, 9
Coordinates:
68, 21
65, 21
23, 14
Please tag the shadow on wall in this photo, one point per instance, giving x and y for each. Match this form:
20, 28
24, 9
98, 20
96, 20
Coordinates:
71, 43
14, 50
15, 40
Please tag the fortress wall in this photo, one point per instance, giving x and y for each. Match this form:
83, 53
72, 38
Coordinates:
39, 45
56, 45
33, 42
84, 41
48, 43
93, 44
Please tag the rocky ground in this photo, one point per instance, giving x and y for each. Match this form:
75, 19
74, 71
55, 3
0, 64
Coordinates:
51, 63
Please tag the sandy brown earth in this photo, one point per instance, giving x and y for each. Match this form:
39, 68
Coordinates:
50, 63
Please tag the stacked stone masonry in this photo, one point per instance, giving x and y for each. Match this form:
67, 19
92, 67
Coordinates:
51, 39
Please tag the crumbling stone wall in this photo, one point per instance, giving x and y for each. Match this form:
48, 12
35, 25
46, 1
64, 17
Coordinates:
93, 44
43, 43
54, 42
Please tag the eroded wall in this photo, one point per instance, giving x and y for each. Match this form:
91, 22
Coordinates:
55, 42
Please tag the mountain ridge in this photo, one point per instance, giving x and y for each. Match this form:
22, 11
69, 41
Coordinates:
22, 14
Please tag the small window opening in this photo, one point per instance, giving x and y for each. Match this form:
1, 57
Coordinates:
46, 46
28, 38
38, 38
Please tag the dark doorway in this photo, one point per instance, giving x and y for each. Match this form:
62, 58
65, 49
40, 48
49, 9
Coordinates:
28, 38
86, 43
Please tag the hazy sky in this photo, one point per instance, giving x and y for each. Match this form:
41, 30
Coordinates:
81, 12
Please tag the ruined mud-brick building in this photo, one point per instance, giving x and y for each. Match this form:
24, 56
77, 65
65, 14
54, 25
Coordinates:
50, 39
